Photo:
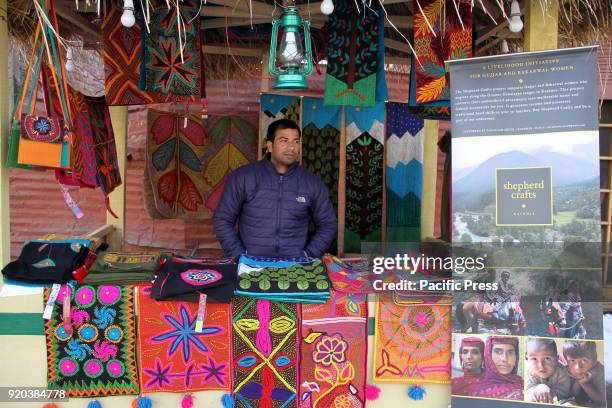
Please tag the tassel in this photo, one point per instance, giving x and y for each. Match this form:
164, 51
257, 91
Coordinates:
142, 402
372, 392
187, 401
50, 405
228, 401
94, 404
417, 392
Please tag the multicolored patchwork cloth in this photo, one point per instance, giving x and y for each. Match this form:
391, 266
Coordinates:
354, 73
321, 145
97, 357
232, 144
452, 24
172, 56
173, 356
274, 107
265, 347
180, 280
122, 60
412, 343
333, 352
349, 276
175, 145
48, 262
365, 137
302, 280
405, 135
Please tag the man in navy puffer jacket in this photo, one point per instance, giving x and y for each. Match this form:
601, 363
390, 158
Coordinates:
273, 200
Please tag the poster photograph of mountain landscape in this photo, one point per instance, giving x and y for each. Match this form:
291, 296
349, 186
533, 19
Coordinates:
556, 174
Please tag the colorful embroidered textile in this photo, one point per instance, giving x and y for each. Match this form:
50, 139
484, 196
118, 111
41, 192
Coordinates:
404, 178
274, 107
181, 280
348, 276
292, 280
232, 143
333, 352
172, 356
174, 165
122, 268
122, 60
452, 24
172, 64
97, 357
364, 175
265, 346
353, 64
47, 262
412, 343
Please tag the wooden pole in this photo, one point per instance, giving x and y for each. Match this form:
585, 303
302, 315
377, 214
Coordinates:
5, 216
342, 184
430, 174
541, 25
119, 119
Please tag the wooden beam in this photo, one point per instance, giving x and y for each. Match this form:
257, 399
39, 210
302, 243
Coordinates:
71, 15
232, 22
220, 11
541, 25
223, 49
428, 196
119, 119
5, 214
493, 29
258, 7
397, 45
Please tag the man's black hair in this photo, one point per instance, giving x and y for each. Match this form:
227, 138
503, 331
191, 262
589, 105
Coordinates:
278, 125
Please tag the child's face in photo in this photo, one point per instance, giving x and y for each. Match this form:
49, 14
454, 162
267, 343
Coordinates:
504, 358
579, 366
541, 362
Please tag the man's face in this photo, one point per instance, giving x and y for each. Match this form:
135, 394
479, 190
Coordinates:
285, 149
542, 362
471, 359
504, 358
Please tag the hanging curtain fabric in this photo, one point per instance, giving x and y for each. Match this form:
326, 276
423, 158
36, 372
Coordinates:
355, 65
365, 133
122, 52
404, 179
321, 145
171, 52
274, 107
451, 21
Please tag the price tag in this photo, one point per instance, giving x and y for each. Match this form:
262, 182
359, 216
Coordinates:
51, 301
201, 314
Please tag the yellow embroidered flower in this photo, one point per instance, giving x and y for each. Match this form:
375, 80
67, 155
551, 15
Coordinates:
342, 401
330, 350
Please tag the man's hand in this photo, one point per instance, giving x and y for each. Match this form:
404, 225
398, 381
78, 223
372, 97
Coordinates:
542, 393
586, 378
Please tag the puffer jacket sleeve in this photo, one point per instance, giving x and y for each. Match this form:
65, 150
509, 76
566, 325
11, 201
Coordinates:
227, 213
326, 224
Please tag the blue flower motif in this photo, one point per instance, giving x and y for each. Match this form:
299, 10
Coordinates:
159, 374
42, 125
214, 371
184, 334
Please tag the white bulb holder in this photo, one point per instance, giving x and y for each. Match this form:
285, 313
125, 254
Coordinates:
69, 65
327, 7
127, 18
516, 24
504, 47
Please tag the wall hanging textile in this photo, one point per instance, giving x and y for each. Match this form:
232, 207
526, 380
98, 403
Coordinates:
126, 268
353, 64
431, 112
404, 178
452, 24
173, 356
175, 146
47, 262
265, 346
274, 107
172, 53
412, 343
97, 356
122, 60
365, 133
292, 280
186, 280
349, 276
321, 145
232, 143
333, 352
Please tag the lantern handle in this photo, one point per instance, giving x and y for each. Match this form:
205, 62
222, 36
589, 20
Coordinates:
308, 46
272, 60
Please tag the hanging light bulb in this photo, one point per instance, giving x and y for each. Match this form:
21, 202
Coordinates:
327, 7
69, 62
516, 24
504, 47
127, 18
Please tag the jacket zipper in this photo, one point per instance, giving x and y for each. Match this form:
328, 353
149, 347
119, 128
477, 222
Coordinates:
279, 207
